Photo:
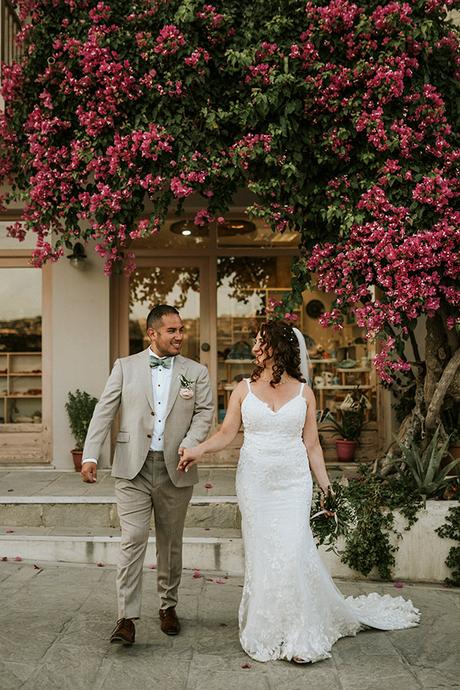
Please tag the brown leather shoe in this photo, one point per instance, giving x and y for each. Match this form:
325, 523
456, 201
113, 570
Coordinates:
124, 631
169, 622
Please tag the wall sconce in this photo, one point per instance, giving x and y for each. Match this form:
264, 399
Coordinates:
78, 255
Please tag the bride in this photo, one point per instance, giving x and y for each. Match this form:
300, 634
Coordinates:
290, 608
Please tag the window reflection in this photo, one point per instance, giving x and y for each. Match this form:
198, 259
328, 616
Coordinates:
177, 286
20, 346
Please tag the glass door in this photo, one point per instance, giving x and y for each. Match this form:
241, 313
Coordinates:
180, 282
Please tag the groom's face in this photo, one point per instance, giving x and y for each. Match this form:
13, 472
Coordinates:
167, 336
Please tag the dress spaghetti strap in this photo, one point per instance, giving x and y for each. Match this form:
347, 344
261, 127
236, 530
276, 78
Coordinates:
248, 381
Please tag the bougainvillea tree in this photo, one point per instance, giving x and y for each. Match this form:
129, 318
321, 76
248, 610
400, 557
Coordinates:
341, 117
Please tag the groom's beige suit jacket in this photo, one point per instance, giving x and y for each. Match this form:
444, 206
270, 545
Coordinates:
129, 391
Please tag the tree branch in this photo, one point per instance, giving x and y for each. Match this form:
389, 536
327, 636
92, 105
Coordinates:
441, 389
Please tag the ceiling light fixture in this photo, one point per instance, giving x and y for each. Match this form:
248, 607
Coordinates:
229, 228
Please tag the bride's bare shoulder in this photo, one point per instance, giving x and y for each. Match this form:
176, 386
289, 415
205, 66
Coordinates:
308, 394
241, 390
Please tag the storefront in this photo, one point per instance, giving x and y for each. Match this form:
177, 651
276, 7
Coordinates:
62, 327
25, 395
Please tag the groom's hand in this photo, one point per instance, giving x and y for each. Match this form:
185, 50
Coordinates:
89, 472
187, 458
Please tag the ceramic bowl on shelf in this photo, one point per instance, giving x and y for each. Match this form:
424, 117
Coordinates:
347, 364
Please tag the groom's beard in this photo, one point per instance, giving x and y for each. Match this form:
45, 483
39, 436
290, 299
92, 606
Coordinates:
161, 352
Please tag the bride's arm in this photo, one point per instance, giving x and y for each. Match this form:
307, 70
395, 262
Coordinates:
312, 444
222, 438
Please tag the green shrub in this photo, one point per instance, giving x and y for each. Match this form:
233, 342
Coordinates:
80, 407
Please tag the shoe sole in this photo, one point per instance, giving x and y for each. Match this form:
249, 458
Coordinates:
120, 640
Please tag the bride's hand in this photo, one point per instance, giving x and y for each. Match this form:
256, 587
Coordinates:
322, 501
188, 457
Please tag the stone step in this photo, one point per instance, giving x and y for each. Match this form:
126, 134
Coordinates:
217, 550
91, 511
61, 499
421, 556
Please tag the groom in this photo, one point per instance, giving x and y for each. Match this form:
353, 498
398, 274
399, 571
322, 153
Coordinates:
165, 404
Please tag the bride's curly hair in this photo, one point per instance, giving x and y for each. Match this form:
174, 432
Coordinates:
281, 339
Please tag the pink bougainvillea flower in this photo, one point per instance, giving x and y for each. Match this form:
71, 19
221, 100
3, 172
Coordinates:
100, 564
18, 558
398, 584
246, 664
152, 566
196, 574
208, 485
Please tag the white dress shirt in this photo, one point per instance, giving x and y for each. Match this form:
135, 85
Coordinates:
161, 383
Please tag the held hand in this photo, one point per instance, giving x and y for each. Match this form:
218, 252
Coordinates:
89, 472
187, 458
322, 501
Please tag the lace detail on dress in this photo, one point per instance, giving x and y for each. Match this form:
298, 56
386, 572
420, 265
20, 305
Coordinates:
290, 605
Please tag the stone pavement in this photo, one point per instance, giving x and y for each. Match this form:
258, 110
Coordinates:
55, 621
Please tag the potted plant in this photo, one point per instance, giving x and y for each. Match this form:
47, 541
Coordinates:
349, 424
80, 407
425, 467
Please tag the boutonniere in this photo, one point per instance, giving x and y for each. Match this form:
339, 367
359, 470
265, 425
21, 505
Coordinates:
186, 391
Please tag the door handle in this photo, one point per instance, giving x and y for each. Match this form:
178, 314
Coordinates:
205, 347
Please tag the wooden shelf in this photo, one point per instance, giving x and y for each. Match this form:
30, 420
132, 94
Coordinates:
323, 360
20, 366
24, 374
238, 361
343, 388
23, 395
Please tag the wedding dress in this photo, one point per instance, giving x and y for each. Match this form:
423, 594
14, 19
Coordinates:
290, 606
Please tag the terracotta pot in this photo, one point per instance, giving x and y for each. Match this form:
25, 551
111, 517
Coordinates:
345, 450
454, 454
77, 457
455, 451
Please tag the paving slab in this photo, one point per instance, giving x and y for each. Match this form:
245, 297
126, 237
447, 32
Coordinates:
55, 623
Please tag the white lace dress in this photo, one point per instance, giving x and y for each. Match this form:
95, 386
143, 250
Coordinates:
290, 605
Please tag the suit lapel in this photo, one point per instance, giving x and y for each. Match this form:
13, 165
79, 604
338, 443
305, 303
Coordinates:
146, 376
178, 369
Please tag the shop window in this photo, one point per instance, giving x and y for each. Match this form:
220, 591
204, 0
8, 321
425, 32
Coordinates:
20, 346
178, 286
341, 360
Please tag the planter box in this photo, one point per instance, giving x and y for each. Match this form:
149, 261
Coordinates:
421, 555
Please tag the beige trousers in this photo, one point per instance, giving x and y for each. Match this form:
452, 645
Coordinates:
151, 489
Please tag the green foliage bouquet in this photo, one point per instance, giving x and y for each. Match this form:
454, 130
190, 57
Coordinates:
328, 529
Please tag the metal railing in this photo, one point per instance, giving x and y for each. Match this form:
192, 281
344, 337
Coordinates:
9, 28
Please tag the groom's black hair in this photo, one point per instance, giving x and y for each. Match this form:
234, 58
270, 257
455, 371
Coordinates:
157, 313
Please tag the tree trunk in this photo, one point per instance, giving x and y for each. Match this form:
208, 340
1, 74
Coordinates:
448, 377
441, 381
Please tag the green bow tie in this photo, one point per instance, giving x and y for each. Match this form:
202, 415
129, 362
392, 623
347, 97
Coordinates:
157, 362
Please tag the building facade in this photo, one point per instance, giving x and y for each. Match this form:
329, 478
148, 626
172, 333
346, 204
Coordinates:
63, 326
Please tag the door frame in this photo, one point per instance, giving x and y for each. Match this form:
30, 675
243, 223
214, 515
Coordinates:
20, 258
205, 258
208, 303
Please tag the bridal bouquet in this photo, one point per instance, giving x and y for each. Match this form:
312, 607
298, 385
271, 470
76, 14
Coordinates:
327, 529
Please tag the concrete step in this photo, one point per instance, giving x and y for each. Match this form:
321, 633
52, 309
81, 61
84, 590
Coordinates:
92, 511
62, 500
218, 550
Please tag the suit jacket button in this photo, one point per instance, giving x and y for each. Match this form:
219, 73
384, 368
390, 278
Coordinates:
153, 414
149, 435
